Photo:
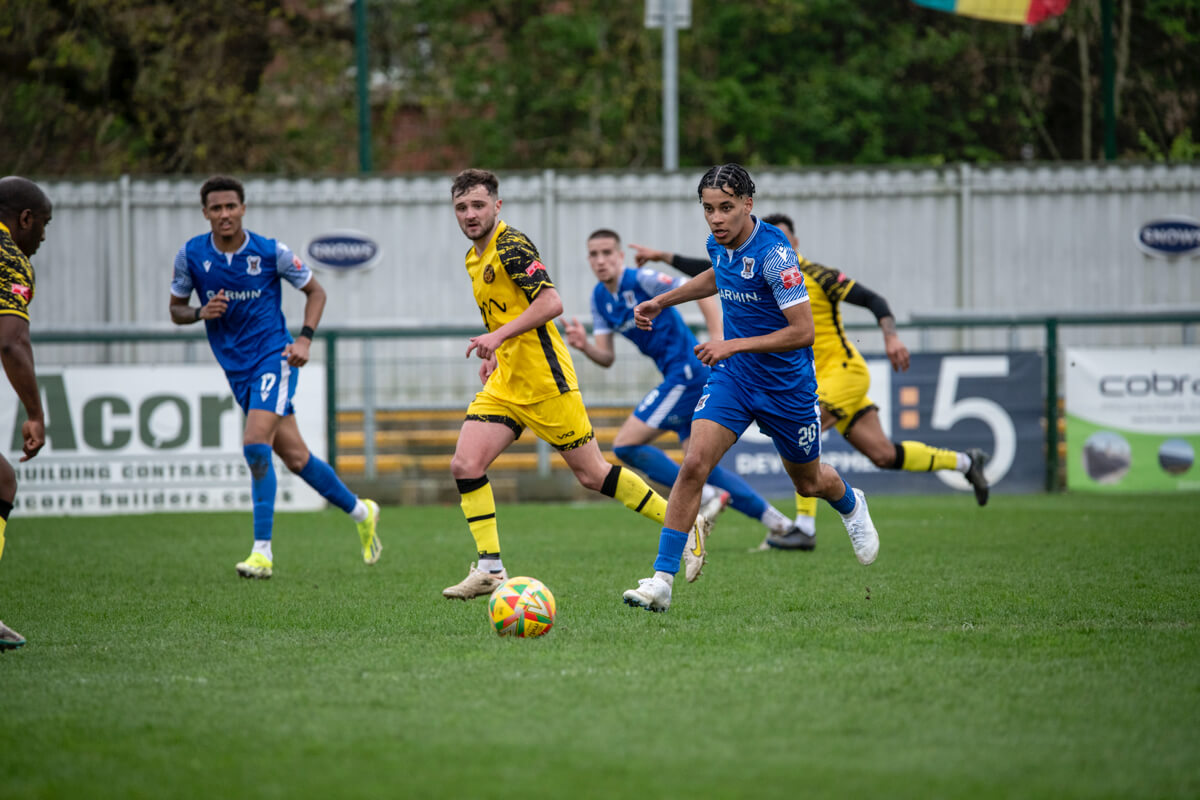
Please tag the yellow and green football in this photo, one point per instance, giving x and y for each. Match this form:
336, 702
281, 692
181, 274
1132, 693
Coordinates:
521, 607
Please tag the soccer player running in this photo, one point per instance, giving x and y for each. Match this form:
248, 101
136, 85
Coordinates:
844, 380
238, 275
528, 381
24, 213
763, 372
669, 406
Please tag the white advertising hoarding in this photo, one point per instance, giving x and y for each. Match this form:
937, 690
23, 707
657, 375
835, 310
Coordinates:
1133, 418
139, 439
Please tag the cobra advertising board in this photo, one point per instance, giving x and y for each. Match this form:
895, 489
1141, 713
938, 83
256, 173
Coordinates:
994, 401
1133, 419
128, 439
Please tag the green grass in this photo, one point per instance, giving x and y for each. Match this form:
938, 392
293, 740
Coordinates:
1042, 647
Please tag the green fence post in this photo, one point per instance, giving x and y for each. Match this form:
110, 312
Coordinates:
331, 398
1051, 404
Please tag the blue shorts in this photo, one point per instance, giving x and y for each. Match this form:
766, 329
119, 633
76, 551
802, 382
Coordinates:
668, 406
792, 422
270, 386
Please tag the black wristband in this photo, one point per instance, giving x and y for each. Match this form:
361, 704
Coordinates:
198, 310
307, 331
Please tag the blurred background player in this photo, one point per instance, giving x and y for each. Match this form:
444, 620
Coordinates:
237, 275
528, 381
763, 373
843, 380
24, 213
669, 406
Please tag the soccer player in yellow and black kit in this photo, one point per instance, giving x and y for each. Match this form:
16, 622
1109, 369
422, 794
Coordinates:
529, 381
24, 214
843, 381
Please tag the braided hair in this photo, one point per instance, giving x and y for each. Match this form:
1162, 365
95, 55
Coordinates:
732, 179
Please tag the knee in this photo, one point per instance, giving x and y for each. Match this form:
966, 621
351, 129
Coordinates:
627, 453
807, 486
463, 466
887, 455
295, 462
8, 481
593, 475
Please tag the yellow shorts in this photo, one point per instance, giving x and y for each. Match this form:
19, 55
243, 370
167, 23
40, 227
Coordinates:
561, 421
842, 391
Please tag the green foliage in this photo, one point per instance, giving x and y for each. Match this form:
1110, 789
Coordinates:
109, 86
1041, 647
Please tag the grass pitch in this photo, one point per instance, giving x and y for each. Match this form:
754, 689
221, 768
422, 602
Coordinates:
1042, 647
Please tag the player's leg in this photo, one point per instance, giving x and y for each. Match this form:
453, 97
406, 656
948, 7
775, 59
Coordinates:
708, 443
488, 429
866, 435
742, 497
802, 533
291, 448
814, 479
666, 407
9, 639
257, 438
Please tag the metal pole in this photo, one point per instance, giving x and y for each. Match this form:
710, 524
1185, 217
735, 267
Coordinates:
1109, 90
331, 404
1051, 404
670, 89
362, 76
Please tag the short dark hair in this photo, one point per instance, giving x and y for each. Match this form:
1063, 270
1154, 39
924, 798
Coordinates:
221, 183
607, 233
780, 219
729, 178
468, 179
18, 194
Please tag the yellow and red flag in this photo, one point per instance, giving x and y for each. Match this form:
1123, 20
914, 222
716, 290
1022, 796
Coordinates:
1020, 12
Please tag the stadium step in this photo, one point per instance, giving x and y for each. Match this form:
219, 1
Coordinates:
413, 448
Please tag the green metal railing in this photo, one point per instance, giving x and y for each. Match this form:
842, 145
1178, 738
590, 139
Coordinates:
331, 336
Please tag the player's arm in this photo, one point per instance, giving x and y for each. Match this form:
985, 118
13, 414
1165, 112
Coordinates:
542, 309
705, 285
600, 350
182, 313
16, 353
686, 265
799, 332
897, 353
314, 306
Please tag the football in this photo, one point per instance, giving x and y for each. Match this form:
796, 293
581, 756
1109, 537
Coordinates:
521, 607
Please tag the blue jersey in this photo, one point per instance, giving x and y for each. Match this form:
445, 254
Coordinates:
252, 327
755, 283
671, 343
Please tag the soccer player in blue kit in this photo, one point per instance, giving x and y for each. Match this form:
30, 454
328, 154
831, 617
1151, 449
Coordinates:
668, 406
237, 275
762, 372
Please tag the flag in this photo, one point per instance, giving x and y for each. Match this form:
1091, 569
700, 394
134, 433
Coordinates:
1020, 12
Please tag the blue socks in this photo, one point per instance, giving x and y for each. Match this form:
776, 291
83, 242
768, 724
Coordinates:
847, 503
670, 550
320, 476
657, 465
262, 488
741, 496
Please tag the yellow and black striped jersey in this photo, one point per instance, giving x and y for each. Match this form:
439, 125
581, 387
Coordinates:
16, 277
508, 276
826, 290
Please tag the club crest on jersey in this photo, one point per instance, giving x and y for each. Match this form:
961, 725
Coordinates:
630, 299
489, 274
207, 265
747, 267
253, 265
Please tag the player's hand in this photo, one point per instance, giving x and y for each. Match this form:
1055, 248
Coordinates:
485, 346
576, 334
897, 353
486, 369
641, 254
33, 434
297, 352
711, 352
215, 307
644, 313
